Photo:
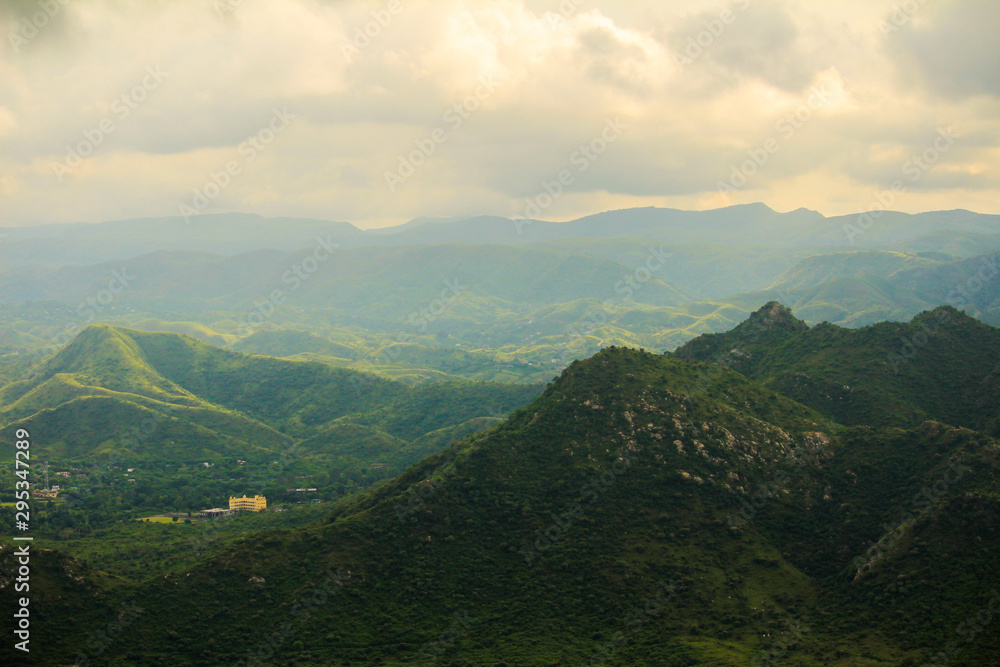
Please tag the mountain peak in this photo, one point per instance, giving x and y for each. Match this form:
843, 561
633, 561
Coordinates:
775, 321
773, 315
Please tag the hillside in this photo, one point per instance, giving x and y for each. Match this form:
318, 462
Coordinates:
502, 305
644, 510
858, 288
153, 397
818, 269
942, 365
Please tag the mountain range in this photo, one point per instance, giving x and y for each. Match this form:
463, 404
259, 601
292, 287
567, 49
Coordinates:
478, 312
235, 233
482, 298
718, 505
641, 437
143, 397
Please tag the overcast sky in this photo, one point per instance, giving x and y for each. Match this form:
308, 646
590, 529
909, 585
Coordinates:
116, 109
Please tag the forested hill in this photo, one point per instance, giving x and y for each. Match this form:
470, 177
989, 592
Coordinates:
942, 365
644, 510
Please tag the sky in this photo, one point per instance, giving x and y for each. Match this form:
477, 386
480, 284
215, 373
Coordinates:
379, 112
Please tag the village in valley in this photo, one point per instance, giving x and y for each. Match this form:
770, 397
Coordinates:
70, 488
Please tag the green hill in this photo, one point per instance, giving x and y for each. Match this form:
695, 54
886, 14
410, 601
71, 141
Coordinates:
859, 288
942, 365
144, 396
290, 342
817, 269
517, 312
644, 510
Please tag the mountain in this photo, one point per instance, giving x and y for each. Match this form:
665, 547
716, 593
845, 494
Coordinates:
644, 510
952, 242
893, 227
972, 283
494, 313
115, 241
515, 301
751, 224
417, 222
380, 282
235, 233
818, 269
943, 365
857, 288
741, 225
146, 397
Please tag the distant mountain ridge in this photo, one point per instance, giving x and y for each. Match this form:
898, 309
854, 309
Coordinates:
233, 233
484, 298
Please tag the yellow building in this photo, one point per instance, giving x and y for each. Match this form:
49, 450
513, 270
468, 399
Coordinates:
254, 504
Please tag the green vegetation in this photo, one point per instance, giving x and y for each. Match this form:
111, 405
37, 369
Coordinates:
414, 306
943, 365
758, 489
149, 547
198, 423
699, 513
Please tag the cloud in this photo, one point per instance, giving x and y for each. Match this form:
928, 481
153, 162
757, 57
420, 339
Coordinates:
952, 48
370, 86
742, 39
